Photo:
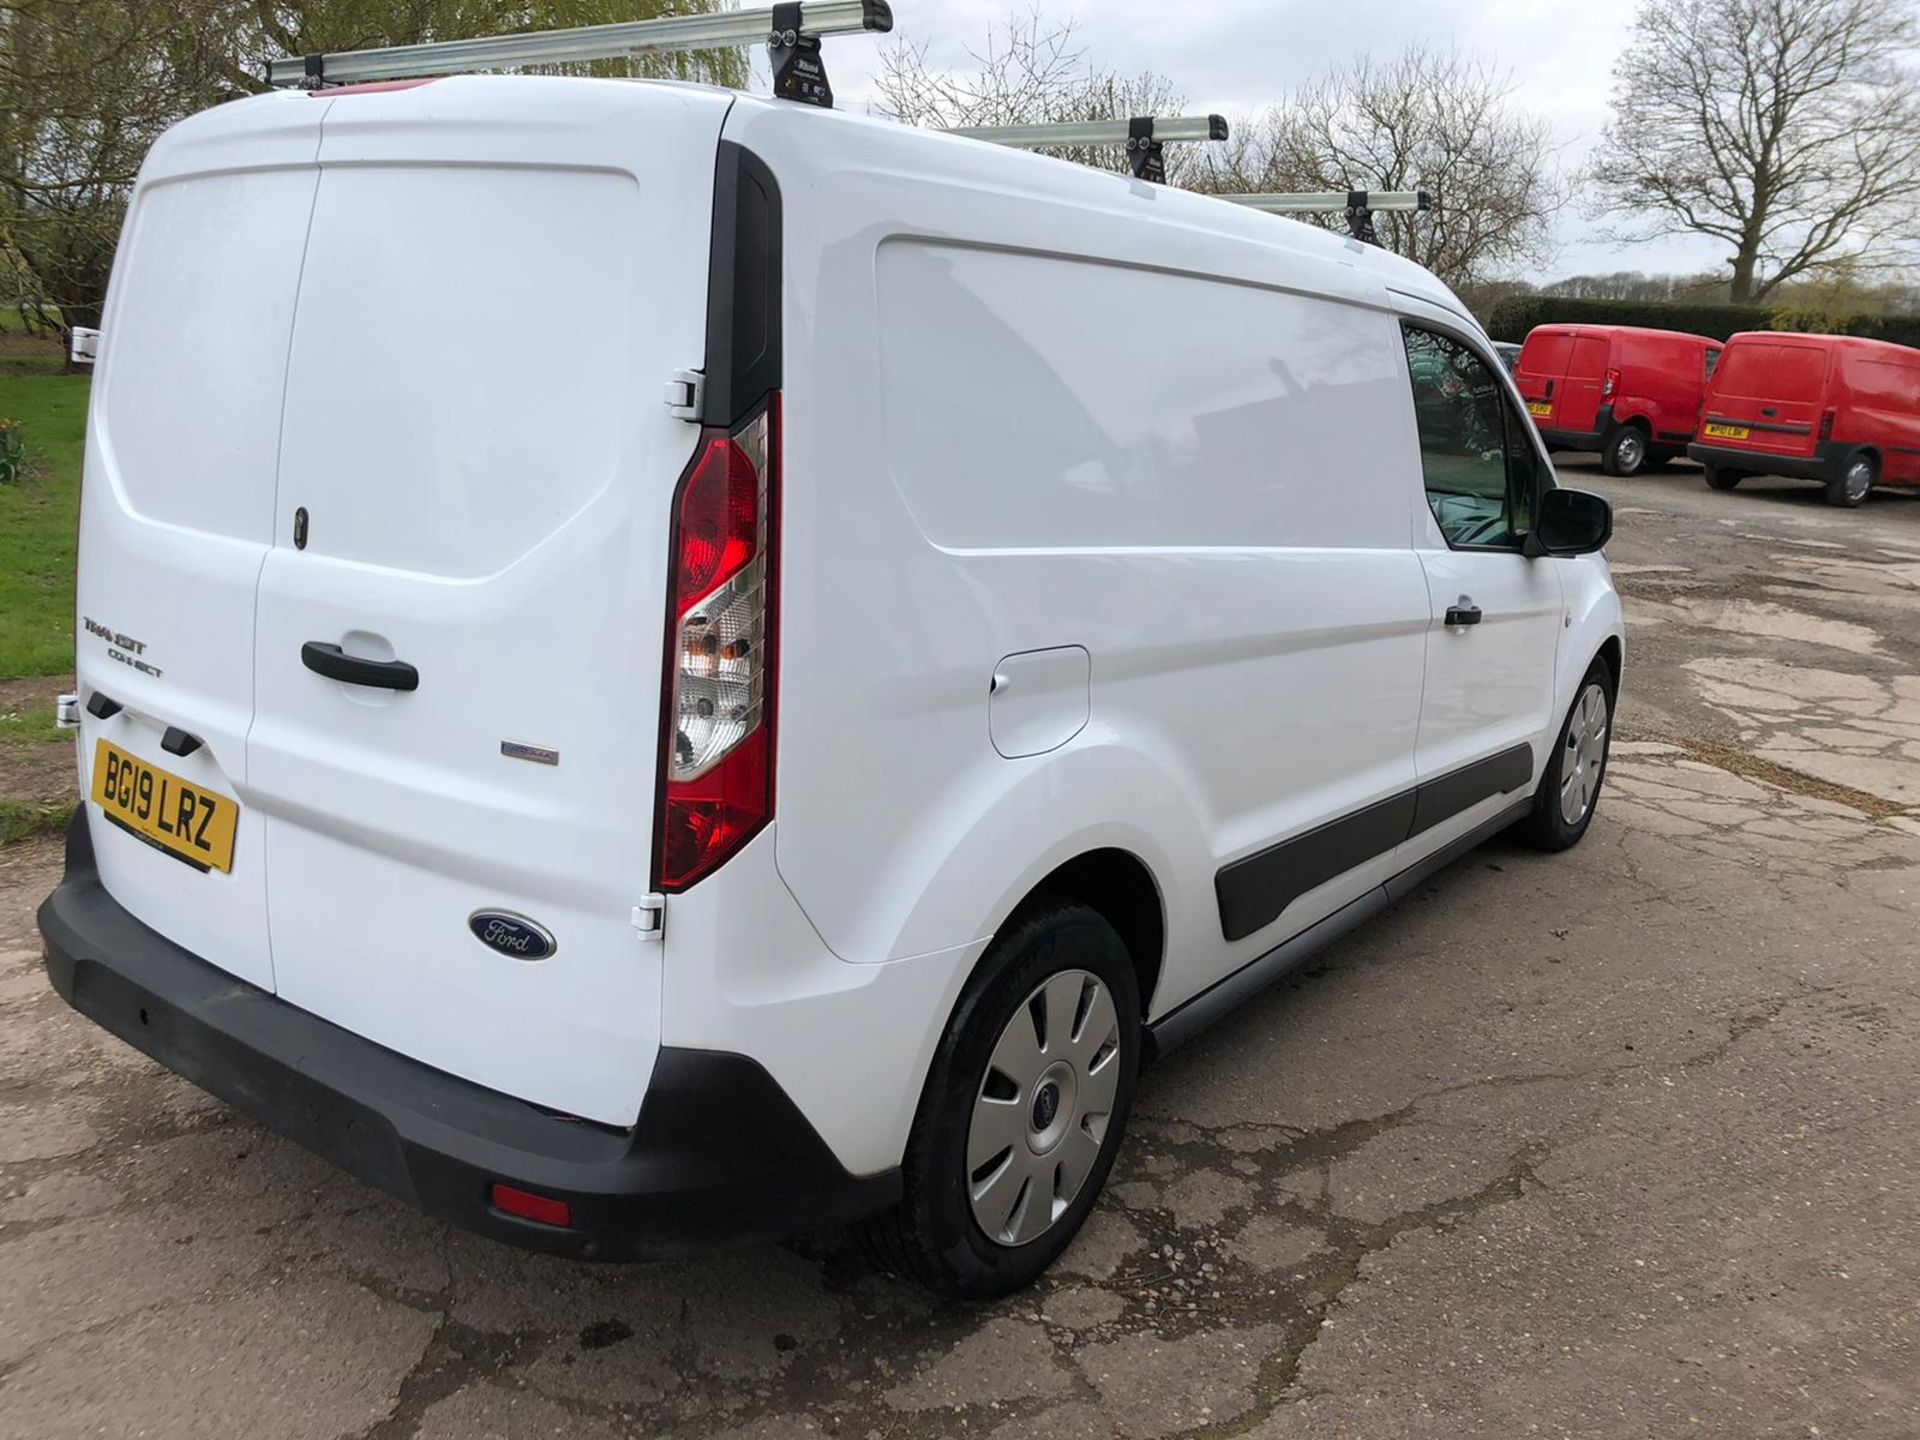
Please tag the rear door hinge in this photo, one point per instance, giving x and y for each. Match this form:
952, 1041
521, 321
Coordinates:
650, 917
686, 395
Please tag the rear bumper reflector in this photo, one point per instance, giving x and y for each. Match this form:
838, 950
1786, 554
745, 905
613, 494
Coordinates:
721, 1156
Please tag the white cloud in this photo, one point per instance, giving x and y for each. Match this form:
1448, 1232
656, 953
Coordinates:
1238, 55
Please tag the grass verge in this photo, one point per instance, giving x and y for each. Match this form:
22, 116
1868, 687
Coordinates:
23, 820
38, 523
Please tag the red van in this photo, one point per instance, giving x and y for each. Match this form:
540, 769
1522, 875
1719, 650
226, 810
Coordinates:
1632, 394
1832, 408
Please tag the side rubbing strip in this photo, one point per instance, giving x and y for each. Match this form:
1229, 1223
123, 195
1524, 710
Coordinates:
1458, 790
1255, 890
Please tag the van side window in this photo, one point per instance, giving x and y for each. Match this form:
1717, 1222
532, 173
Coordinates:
1480, 466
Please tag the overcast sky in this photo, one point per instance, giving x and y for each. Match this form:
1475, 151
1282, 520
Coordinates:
1237, 55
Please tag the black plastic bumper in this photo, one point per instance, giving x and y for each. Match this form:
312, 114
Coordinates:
1580, 439
1828, 461
721, 1156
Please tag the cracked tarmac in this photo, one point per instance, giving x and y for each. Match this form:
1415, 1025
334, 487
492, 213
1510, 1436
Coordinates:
1623, 1142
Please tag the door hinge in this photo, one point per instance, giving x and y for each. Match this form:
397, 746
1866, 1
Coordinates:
66, 713
686, 394
650, 917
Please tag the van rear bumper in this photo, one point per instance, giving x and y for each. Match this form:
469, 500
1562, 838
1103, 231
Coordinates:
721, 1156
1580, 439
1827, 461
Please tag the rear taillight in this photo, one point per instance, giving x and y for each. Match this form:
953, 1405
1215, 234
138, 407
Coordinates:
1610, 384
716, 766
1826, 426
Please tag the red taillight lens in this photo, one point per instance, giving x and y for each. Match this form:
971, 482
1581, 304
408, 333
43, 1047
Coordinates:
528, 1206
1826, 425
1611, 384
716, 769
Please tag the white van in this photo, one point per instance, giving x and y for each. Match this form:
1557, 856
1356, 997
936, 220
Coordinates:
660, 668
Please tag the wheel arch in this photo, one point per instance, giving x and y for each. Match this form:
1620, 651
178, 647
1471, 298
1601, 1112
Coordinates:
1117, 885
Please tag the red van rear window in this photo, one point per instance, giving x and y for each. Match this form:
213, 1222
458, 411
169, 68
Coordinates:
1772, 372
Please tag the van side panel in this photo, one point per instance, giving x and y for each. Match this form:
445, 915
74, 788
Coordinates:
1882, 409
1010, 428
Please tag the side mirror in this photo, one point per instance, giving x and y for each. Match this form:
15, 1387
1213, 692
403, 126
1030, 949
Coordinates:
1571, 522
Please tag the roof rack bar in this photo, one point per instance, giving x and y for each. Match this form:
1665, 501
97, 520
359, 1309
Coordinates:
587, 42
1311, 201
1095, 132
1144, 136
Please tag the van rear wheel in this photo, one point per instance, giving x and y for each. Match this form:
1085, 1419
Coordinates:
1718, 479
1624, 451
1853, 484
1024, 1109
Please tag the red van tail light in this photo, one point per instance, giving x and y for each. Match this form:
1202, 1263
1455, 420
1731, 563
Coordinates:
717, 746
1826, 425
1610, 384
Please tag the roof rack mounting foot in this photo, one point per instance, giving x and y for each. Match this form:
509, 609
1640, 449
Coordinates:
799, 72
1146, 156
1360, 218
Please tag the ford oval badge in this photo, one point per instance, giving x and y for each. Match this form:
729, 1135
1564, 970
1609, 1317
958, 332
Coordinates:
512, 935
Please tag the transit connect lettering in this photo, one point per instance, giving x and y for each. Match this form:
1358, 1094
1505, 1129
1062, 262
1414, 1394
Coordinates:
121, 647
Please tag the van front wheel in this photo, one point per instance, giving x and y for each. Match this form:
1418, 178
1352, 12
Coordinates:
1569, 790
1853, 484
1024, 1108
1624, 450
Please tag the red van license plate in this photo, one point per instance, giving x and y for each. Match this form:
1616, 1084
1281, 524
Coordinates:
1539, 407
1728, 432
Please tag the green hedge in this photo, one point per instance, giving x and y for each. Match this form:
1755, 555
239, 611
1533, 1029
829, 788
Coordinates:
1514, 316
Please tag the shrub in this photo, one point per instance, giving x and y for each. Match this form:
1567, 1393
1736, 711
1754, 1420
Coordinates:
1514, 316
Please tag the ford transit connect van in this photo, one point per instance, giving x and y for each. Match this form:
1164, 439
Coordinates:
1629, 393
659, 668
1836, 409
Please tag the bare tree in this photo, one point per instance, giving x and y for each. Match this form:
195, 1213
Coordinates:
1789, 129
1028, 72
1430, 120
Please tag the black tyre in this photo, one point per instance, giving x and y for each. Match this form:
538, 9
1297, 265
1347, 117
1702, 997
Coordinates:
1569, 791
1855, 482
1025, 1105
1659, 460
1718, 479
1624, 451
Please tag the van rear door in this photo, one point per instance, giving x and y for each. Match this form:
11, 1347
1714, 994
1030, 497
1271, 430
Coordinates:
1560, 375
461, 613
1767, 396
177, 516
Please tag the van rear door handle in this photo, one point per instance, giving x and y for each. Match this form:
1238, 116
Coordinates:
1463, 614
334, 663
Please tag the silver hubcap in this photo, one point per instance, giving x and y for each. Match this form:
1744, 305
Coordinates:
1584, 755
1859, 480
1043, 1108
1628, 452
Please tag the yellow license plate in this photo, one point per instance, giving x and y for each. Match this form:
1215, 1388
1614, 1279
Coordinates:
1539, 407
187, 822
1728, 432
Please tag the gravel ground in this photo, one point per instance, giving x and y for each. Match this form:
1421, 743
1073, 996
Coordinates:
1620, 1143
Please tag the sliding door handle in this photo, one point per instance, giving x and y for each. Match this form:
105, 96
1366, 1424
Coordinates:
334, 663
1463, 615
